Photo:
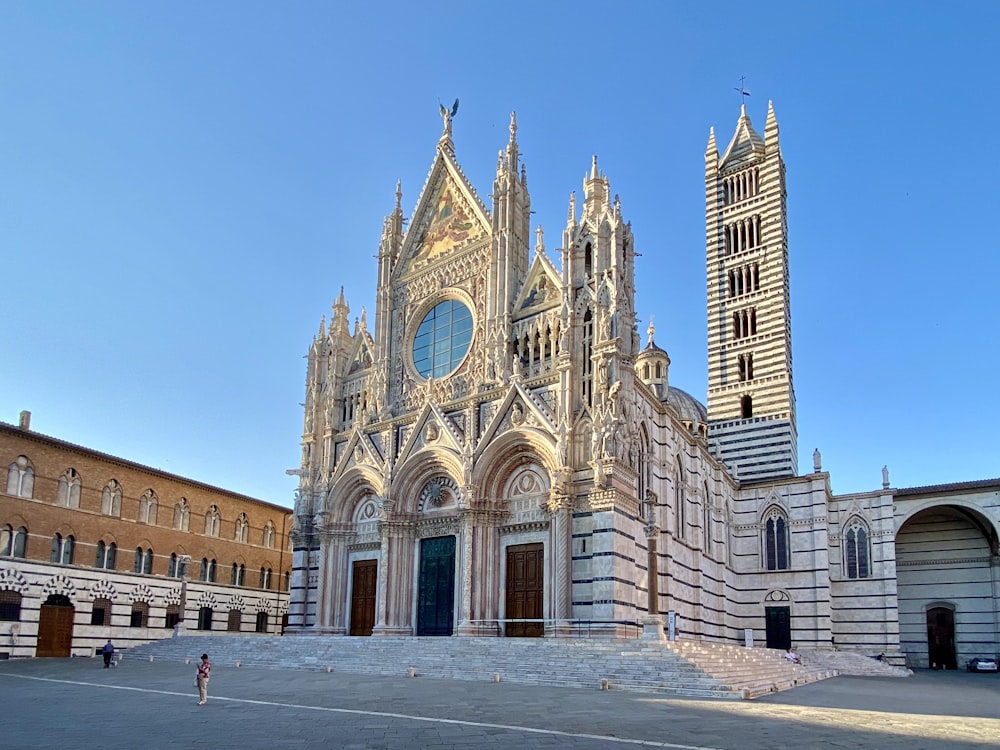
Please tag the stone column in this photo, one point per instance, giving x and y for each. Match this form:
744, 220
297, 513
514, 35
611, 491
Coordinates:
560, 538
335, 616
652, 623
394, 600
465, 608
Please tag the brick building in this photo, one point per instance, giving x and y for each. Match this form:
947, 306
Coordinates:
93, 547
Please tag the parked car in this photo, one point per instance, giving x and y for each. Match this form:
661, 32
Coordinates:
981, 664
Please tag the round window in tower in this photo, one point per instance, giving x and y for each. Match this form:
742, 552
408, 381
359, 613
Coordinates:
442, 339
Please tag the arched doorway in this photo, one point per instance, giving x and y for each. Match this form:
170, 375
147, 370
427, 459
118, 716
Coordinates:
941, 638
945, 584
55, 627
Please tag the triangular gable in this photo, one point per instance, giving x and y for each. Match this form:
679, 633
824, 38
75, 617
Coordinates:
532, 410
362, 353
449, 217
541, 288
359, 452
745, 145
432, 428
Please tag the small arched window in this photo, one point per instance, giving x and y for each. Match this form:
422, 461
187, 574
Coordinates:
182, 515
13, 541
111, 499
213, 521
775, 541
62, 549
268, 537
107, 555
20, 478
680, 520
242, 527
68, 491
857, 558
148, 506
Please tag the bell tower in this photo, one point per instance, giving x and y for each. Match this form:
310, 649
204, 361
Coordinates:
751, 400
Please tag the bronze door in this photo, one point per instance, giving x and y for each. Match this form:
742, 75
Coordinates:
436, 586
55, 628
941, 638
363, 597
778, 624
525, 590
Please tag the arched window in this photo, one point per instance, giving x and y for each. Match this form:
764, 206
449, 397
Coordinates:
265, 578
213, 520
106, 555
68, 491
13, 541
208, 570
62, 549
775, 541
857, 558
268, 534
242, 527
143, 562
587, 362
588, 260
148, 506
287, 579
20, 478
111, 499
642, 461
706, 523
182, 515
680, 521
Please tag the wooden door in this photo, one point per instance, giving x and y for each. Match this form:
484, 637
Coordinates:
525, 590
436, 587
779, 627
941, 638
363, 596
55, 629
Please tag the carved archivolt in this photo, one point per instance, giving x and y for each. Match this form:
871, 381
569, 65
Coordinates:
13, 580
104, 590
236, 602
59, 585
207, 599
141, 593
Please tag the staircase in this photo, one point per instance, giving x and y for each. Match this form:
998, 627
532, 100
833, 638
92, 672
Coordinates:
850, 663
688, 668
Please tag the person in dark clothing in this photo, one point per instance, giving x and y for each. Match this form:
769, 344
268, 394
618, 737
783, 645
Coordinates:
109, 652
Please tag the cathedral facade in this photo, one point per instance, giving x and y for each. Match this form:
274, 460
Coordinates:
501, 454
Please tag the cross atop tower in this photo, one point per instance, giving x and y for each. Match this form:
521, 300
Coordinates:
742, 89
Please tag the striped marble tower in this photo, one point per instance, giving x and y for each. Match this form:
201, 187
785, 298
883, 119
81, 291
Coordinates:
751, 401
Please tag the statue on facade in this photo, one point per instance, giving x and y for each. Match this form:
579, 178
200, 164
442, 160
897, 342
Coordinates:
447, 116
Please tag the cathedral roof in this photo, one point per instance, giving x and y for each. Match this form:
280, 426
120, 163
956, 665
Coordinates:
688, 408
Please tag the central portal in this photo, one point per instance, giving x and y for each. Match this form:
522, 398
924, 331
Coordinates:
436, 586
525, 591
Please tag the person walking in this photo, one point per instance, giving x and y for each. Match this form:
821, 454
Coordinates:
108, 652
204, 671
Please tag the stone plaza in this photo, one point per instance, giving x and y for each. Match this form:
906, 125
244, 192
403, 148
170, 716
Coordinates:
74, 702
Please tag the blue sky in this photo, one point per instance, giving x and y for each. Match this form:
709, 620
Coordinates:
186, 186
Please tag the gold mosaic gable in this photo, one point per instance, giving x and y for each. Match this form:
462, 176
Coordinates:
447, 220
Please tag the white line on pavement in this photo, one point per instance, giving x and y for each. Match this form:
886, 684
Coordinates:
383, 714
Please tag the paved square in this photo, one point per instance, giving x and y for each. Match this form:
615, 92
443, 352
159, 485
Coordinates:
74, 702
